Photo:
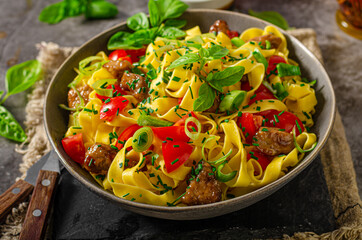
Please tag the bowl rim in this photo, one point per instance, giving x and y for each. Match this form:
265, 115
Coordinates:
258, 193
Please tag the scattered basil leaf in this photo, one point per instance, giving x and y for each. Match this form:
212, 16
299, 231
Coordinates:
22, 76
227, 77
185, 59
172, 33
119, 40
125, 40
232, 100
217, 52
288, 70
138, 21
272, 17
161, 10
177, 23
100, 9
206, 98
53, 13
9, 127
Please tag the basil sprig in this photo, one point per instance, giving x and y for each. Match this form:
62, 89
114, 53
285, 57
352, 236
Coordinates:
161, 23
18, 78
272, 17
92, 9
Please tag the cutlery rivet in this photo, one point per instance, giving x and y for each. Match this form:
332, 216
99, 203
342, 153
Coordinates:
36, 213
45, 182
15, 190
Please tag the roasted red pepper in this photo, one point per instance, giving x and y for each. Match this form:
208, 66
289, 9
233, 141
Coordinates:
246, 123
260, 94
272, 64
120, 54
116, 90
261, 158
175, 153
112, 107
176, 133
232, 34
126, 134
135, 54
74, 147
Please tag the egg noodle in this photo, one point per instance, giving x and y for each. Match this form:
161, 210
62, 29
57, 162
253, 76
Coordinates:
150, 182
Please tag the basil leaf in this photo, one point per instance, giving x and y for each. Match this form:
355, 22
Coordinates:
100, 9
143, 36
272, 17
185, 59
120, 40
161, 10
22, 76
138, 21
288, 70
53, 13
217, 52
125, 40
172, 33
9, 127
177, 23
232, 100
206, 98
227, 77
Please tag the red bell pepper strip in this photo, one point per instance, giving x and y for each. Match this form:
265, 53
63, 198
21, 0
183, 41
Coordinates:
74, 147
232, 34
175, 154
260, 94
112, 108
125, 135
120, 54
272, 64
116, 90
176, 133
246, 123
283, 120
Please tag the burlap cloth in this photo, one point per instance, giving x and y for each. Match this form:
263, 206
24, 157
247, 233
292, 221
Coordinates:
336, 156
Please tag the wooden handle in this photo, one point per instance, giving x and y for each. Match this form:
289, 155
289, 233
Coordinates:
36, 217
16, 194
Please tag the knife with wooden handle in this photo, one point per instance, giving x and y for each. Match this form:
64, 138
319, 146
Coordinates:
21, 189
35, 222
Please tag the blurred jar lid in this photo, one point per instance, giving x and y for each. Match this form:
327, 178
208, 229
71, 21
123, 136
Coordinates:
213, 4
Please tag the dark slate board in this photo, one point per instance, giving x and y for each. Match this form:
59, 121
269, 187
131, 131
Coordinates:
302, 205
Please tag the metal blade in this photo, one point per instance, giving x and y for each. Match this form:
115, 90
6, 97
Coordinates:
33, 171
52, 163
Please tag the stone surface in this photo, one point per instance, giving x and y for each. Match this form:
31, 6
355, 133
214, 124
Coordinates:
302, 205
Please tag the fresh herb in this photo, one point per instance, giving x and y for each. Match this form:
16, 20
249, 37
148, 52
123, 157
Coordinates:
138, 21
18, 79
206, 98
92, 9
272, 17
227, 77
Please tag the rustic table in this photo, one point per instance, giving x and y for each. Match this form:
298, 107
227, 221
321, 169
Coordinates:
293, 208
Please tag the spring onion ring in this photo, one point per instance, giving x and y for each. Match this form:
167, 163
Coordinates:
142, 139
193, 135
299, 148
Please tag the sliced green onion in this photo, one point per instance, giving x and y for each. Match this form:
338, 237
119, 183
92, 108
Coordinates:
193, 135
222, 177
288, 70
223, 158
76, 80
232, 101
238, 42
281, 91
63, 106
147, 120
299, 148
267, 44
268, 86
260, 58
203, 147
142, 139
88, 70
99, 87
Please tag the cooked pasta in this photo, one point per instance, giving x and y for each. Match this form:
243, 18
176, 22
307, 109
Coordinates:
198, 120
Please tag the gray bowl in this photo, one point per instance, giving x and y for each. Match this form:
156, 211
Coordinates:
56, 119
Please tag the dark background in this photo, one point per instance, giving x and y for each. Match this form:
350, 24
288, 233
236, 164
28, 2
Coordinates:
303, 205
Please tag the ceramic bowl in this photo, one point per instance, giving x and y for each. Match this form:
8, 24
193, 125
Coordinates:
56, 119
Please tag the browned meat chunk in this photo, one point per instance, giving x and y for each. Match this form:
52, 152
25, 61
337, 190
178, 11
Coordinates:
73, 98
219, 26
136, 84
204, 189
98, 158
117, 68
273, 142
274, 41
